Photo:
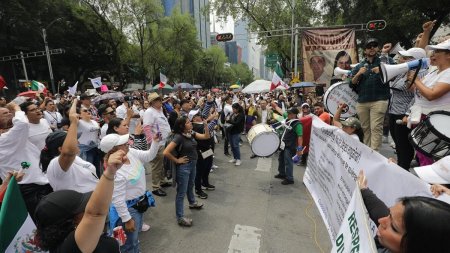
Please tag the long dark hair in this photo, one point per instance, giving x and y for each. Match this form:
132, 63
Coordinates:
238, 107
427, 225
51, 149
53, 235
112, 124
180, 125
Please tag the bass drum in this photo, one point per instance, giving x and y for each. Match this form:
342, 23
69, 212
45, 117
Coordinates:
341, 93
263, 140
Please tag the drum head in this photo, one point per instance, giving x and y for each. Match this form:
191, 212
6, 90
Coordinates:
440, 123
341, 93
265, 144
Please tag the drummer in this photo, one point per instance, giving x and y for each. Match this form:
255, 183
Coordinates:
291, 144
263, 114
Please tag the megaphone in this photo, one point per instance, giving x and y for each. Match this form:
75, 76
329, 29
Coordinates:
354, 65
338, 71
388, 72
396, 49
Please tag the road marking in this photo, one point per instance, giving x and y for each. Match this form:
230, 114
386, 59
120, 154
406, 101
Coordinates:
264, 164
246, 239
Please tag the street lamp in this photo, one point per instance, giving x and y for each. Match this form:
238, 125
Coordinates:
49, 62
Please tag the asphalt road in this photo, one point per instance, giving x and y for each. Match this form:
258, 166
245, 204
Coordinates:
250, 211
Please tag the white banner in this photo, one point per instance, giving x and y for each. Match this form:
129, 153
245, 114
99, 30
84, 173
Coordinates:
334, 161
356, 234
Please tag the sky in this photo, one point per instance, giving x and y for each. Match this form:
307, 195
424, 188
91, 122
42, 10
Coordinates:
222, 27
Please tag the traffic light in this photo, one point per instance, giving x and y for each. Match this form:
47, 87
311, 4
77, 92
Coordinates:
224, 36
374, 25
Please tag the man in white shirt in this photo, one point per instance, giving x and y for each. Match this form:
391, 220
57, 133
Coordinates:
52, 116
39, 127
227, 111
15, 150
155, 122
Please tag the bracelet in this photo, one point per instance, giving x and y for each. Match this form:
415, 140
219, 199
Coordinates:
110, 179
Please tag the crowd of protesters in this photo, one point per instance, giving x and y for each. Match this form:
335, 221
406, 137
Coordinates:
93, 158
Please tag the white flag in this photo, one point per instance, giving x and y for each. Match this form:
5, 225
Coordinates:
72, 90
96, 82
162, 78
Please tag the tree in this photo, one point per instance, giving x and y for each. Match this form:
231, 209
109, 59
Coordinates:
212, 67
404, 18
242, 72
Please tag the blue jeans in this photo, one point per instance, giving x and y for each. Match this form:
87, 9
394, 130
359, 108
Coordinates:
185, 184
234, 142
285, 164
132, 243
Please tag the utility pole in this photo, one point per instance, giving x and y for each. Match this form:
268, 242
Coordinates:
24, 66
296, 49
292, 31
49, 62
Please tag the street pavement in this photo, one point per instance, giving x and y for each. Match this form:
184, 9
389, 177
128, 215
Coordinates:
250, 211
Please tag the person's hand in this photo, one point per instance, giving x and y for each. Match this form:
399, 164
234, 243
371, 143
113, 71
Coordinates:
419, 37
205, 123
405, 120
182, 160
114, 161
138, 130
361, 180
130, 226
428, 26
376, 70
438, 189
74, 117
130, 112
392, 160
342, 106
12, 107
361, 71
17, 174
386, 48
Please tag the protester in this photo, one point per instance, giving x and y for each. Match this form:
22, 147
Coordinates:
319, 110
351, 125
39, 128
184, 144
373, 94
130, 198
237, 121
107, 113
86, 103
88, 130
225, 115
400, 228
51, 115
68, 221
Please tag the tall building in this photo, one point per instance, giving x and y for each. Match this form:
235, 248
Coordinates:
251, 50
196, 9
231, 50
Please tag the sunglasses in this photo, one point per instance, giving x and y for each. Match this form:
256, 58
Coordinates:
371, 46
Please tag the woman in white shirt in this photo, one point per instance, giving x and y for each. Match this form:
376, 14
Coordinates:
130, 197
52, 116
88, 139
59, 159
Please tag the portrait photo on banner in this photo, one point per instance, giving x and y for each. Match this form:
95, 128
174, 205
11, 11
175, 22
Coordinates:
323, 51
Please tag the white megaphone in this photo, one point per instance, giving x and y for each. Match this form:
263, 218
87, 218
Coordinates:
338, 72
397, 48
388, 71
354, 65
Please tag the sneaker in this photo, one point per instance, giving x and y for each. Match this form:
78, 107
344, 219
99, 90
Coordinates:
209, 187
227, 154
232, 161
201, 194
279, 176
238, 162
145, 227
159, 192
185, 222
286, 182
196, 205
214, 166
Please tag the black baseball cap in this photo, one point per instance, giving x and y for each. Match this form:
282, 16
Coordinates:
59, 206
371, 41
293, 110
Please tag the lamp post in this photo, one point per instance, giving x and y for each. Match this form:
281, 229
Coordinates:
49, 62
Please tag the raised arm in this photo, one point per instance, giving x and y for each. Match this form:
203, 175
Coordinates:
88, 232
69, 148
425, 38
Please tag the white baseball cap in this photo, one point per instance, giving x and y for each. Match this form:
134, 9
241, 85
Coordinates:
111, 140
443, 45
416, 52
192, 113
437, 173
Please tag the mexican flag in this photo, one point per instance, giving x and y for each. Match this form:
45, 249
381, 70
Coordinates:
276, 79
37, 86
17, 229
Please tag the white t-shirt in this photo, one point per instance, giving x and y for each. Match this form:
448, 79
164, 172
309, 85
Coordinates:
89, 132
121, 111
38, 133
103, 130
430, 80
79, 177
154, 119
53, 118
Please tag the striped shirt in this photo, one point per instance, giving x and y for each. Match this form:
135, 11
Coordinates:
401, 98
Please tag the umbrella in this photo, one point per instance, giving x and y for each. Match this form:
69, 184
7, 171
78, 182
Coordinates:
215, 89
30, 94
303, 84
109, 95
166, 87
196, 86
260, 86
235, 86
184, 86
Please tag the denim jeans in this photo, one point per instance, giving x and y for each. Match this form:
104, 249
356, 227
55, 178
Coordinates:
132, 243
285, 164
185, 184
234, 142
